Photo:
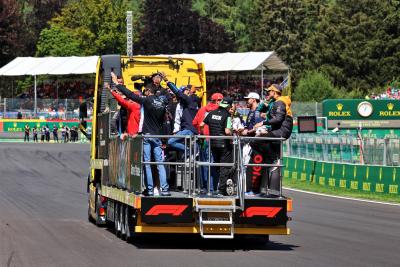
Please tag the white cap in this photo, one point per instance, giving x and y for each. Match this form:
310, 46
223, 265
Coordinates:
253, 95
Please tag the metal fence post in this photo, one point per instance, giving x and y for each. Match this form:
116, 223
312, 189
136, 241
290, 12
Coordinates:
385, 147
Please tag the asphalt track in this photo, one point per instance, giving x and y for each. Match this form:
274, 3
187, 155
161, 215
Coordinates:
43, 222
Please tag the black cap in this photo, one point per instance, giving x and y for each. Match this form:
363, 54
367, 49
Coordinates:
226, 102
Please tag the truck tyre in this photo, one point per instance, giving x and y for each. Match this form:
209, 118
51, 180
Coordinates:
117, 223
99, 220
129, 223
122, 220
90, 218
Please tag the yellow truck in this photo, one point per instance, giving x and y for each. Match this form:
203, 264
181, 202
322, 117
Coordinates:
115, 182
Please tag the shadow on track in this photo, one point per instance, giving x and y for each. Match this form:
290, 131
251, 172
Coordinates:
195, 242
181, 241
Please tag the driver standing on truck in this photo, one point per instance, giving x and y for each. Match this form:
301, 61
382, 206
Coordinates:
154, 114
278, 124
220, 124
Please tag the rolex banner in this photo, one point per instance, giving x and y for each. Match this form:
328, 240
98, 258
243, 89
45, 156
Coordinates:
355, 113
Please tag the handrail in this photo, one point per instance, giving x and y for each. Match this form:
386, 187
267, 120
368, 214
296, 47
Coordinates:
190, 180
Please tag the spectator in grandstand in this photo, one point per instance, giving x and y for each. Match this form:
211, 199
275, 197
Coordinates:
34, 134
220, 124
279, 124
154, 114
55, 133
27, 130
216, 98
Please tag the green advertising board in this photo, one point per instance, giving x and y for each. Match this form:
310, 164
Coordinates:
355, 113
365, 178
18, 125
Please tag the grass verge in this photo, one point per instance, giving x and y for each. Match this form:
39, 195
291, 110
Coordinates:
297, 184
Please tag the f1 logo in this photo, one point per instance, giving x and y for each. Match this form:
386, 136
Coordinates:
268, 212
174, 210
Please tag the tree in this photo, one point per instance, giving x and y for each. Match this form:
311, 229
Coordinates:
55, 41
98, 26
179, 31
10, 30
37, 13
357, 43
280, 25
315, 86
233, 15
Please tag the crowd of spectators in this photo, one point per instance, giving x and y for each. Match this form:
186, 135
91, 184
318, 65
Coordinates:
238, 88
71, 89
391, 93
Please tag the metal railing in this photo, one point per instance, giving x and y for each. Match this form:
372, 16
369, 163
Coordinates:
12, 108
344, 149
190, 164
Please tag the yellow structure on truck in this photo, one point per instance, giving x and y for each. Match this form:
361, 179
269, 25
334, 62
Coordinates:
116, 182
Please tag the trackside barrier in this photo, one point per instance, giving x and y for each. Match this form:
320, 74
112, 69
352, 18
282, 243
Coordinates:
363, 178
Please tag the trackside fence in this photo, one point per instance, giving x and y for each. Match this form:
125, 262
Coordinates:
344, 149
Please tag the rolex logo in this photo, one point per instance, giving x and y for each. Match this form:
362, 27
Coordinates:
15, 124
390, 106
339, 106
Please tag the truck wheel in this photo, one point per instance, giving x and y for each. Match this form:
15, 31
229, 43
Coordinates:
99, 221
129, 223
122, 220
90, 218
117, 223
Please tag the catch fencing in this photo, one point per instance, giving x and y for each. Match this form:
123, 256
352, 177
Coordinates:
344, 149
66, 109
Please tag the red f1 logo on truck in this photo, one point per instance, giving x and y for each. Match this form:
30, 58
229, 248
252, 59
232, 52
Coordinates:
268, 212
174, 210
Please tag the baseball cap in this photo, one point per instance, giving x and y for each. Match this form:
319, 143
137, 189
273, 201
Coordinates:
226, 102
253, 95
275, 87
217, 96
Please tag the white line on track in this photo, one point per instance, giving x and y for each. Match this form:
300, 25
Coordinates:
345, 198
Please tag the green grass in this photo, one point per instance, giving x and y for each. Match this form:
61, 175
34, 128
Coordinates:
306, 186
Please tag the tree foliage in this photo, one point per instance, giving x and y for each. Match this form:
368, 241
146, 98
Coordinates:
233, 15
172, 27
315, 86
55, 41
357, 43
37, 15
98, 26
10, 26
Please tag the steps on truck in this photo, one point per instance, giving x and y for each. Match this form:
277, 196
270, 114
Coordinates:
216, 217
